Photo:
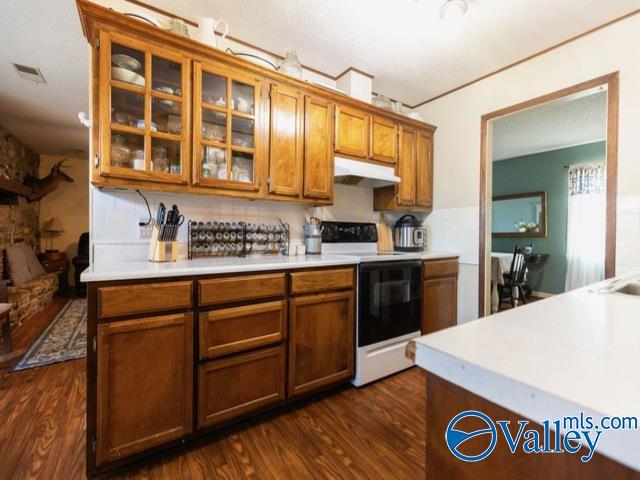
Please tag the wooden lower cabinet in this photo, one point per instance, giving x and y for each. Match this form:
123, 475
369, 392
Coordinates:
439, 295
261, 340
143, 299
238, 288
240, 384
144, 384
321, 341
316, 281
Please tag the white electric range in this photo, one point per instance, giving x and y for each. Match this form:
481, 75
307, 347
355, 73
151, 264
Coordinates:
389, 302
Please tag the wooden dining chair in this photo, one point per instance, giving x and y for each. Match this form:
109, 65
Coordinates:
7, 354
5, 328
513, 287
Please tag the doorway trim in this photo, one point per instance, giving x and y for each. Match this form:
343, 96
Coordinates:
611, 81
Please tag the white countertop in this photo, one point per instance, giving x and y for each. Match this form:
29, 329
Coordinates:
438, 255
107, 271
145, 269
553, 358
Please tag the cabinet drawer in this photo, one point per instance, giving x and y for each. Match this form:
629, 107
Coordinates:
150, 297
241, 328
240, 384
439, 268
321, 280
232, 289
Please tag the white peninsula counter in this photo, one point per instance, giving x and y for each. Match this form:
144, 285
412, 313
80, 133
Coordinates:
574, 353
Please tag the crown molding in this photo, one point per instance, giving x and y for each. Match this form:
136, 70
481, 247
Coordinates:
530, 57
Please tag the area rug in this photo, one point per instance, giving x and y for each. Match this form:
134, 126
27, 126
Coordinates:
64, 339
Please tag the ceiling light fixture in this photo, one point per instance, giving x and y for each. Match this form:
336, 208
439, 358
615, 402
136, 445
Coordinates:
452, 13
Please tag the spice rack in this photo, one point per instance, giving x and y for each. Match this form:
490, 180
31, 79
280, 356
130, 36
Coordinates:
236, 239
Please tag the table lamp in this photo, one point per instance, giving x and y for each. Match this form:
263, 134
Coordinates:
52, 227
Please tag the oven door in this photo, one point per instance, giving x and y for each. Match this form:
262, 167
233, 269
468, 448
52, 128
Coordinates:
388, 300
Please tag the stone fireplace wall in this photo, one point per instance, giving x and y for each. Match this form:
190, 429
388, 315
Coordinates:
18, 217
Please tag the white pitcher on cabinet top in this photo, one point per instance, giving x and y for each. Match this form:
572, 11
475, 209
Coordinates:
207, 29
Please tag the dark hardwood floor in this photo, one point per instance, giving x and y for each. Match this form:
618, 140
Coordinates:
375, 432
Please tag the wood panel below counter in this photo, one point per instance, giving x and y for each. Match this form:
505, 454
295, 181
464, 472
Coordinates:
446, 400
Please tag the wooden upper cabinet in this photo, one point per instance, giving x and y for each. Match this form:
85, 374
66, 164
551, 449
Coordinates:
407, 167
227, 139
424, 169
144, 110
172, 115
144, 384
318, 148
352, 132
415, 169
286, 138
384, 140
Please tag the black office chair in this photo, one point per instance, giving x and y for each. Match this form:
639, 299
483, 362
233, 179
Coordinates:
80, 262
516, 278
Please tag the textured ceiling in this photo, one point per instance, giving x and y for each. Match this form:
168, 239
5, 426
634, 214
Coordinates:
400, 42
560, 124
44, 116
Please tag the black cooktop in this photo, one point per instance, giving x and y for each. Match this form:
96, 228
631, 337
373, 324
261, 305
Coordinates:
349, 232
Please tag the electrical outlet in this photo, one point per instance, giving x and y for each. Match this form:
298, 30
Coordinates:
145, 230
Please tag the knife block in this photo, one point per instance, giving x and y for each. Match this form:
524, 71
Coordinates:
160, 251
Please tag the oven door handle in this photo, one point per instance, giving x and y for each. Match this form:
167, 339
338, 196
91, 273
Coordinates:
391, 265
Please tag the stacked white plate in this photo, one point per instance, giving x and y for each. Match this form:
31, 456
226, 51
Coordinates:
125, 69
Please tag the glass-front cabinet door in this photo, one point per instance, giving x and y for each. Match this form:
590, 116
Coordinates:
226, 149
144, 105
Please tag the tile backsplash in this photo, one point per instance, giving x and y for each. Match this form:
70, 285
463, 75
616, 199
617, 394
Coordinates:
115, 215
628, 235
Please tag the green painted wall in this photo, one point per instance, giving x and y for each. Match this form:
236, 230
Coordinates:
534, 173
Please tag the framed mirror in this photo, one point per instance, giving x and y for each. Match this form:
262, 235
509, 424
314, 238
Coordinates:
520, 215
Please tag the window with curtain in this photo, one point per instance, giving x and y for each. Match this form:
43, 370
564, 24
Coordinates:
586, 226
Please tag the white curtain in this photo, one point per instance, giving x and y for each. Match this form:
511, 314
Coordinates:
586, 226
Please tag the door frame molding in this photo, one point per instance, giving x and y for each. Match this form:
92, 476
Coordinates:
611, 81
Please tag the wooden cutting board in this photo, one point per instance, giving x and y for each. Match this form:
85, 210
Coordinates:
385, 236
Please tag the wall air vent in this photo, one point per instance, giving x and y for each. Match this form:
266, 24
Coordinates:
30, 73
